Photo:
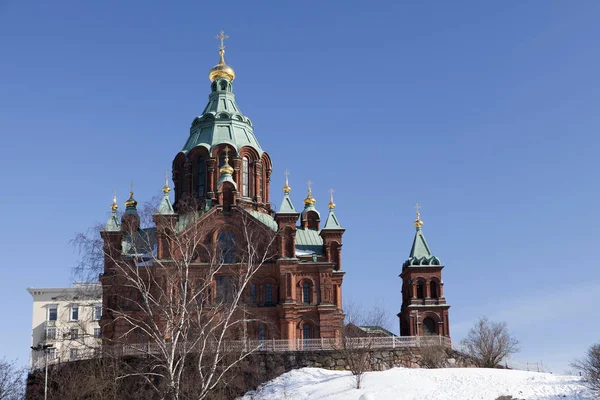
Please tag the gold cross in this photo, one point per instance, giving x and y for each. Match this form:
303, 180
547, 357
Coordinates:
417, 207
227, 151
222, 36
309, 183
131, 187
331, 193
287, 174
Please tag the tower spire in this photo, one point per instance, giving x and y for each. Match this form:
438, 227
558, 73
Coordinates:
418, 223
165, 206
221, 70
331, 204
286, 188
113, 224
166, 189
332, 221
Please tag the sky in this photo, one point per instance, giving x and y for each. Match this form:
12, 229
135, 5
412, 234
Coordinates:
483, 112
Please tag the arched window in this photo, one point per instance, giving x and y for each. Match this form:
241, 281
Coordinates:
261, 332
433, 289
420, 290
429, 326
226, 247
245, 179
269, 293
306, 293
306, 331
253, 293
201, 176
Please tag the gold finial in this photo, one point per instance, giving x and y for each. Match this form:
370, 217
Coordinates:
114, 205
286, 188
166, 189
131, 201
221, 70
309, 200
418, 223
331, 204
226, 168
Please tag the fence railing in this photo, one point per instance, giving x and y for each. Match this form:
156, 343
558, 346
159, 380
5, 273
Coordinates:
283, 345
268, 345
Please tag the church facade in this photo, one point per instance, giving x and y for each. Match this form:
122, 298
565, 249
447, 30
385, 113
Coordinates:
223, 177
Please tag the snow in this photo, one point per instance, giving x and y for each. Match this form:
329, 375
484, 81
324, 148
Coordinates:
422, 384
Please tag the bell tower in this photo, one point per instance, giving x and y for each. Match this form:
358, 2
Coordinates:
424, 309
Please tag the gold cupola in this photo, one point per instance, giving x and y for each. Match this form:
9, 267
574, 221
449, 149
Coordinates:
114, 206
166, 189
331, 204
287, 189
131, 201
221, 70
418, 223
309, 200
226, 168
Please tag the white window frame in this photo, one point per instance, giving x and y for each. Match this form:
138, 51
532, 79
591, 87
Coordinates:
74, 333
72, 310
51, 307
48, 337
52, 353
97, 306
73, 352
97, 332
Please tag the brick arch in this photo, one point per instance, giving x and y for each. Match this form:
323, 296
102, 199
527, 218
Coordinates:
249, 152
434, 286
274, 289
312, 288
220, 148
179, 175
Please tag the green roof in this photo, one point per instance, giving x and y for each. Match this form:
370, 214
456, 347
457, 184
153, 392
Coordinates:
113, 224
222, 122
265, 219
287, 207
309, 240
165, 206
420, 253
332, 221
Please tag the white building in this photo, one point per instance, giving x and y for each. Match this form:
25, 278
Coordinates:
67, 320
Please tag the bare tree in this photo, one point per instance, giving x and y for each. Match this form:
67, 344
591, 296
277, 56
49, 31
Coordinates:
356, 344
12, 382
489, 343
589, 366
433, 353
175, 295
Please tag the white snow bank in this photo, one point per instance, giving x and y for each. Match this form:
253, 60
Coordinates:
422, 384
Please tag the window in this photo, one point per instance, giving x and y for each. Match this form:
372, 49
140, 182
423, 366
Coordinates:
74, 313
74, 333
97, 333
245, 180
98, 312
306, 292
420, 290
269, 293
433, 290
224, 289
52, 313
429, 325
261, 332
73, 354
50, 333
253, 292
306, 331
201, 176
226, 247
51, 353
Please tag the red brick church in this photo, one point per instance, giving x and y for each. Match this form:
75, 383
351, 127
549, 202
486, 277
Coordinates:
224, 174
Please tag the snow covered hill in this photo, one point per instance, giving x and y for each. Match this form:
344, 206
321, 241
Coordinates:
422, 384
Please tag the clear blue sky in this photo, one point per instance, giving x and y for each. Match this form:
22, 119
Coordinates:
485, 113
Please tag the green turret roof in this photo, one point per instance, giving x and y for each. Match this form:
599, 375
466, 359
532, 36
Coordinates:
222, 122
165, 207
332, 221
420, 253
287, 207
113, 224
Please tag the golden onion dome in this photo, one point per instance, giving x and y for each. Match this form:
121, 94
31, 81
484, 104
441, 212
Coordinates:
226, 168
221, 70
309, 200
287, 188
166, 189
331, 204
114, 205
418, 223
131, 201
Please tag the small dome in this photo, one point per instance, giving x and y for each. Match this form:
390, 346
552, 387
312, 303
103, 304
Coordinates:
221, 70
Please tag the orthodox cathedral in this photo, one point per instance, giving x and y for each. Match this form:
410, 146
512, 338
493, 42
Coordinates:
224, 174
